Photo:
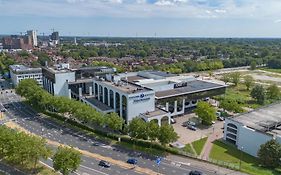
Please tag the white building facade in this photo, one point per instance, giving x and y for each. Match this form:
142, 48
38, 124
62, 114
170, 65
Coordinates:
21, 72
250, 130
149, 95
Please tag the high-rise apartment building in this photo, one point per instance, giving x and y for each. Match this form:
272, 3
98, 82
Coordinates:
33, 35
55, 38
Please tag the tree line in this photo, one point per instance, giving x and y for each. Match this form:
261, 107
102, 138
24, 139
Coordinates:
137, 128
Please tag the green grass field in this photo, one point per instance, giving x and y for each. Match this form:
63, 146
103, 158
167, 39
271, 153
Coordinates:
199, 144
228, 153
271, 70
188, 149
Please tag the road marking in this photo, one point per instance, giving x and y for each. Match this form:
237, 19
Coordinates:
93, 170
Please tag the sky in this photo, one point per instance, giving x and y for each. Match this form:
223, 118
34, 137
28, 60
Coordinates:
143, 18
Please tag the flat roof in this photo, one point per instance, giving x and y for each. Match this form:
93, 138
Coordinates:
98, 104
84, 80
157, 112
191, 87
133, 79
263, 119
23, 68
126, 87
55, 70
161, 73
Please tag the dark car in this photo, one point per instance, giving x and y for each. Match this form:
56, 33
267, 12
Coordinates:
104, 163
132, 161
6, 106
195, 173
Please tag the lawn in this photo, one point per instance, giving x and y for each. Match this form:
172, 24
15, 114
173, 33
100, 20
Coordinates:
188, 149
228, 153
199, 144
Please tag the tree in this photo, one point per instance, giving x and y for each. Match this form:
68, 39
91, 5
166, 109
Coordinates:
258, 93
114, 121
273, 92
167, 134
231, 105
206, 112
66, 160
225, 78
253, 65
153, 131
249, 81
235, 78
138, 128
270, 153
21, 148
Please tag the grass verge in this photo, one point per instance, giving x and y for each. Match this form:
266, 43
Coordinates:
271, 70
230, 154
188, 149
199, 144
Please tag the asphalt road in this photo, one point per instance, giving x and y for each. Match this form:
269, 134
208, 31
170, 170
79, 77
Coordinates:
27, 118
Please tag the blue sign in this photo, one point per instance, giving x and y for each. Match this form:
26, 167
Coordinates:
158, 161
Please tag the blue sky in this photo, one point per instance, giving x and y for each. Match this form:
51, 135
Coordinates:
166, 18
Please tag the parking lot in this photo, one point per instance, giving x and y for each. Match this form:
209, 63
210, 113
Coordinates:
187, 135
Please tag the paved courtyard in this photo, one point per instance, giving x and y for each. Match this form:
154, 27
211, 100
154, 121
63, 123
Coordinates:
187, 136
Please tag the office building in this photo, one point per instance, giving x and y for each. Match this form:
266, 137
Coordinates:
21, 72
57, 79
151, 95
249, 130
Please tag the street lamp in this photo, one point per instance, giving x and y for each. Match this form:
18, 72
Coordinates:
241, 154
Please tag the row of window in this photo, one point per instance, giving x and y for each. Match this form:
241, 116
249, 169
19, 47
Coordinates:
29, 76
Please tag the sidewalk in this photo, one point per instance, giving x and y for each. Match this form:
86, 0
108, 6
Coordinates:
209, 144
208, 166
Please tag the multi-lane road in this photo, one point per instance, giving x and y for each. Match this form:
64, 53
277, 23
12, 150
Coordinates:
27, 118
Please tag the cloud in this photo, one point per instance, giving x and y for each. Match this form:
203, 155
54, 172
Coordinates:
232, 9
277, 21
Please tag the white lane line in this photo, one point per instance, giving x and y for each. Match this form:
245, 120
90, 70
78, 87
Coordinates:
94, 170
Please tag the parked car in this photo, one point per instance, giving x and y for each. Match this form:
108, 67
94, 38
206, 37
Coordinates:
104, 163
185, 124
3, 110
191, 123
191, 127
132, 161
220, 118
195, 173
173, 121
